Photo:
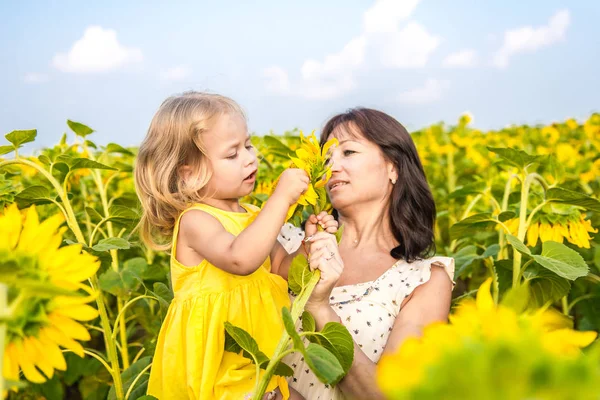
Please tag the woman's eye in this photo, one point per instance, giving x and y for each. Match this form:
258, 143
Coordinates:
348, 152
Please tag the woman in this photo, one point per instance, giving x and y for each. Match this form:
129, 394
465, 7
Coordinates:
378, 281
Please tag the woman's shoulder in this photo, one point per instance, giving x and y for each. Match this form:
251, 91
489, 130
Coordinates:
423, 267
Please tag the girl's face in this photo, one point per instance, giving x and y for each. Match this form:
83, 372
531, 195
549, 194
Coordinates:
360, 173
232, 157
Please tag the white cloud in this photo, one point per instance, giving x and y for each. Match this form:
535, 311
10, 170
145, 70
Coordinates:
391, 46
321, 80
528, 39
464, 58
407, 48
177, 73
351, 56
277, 80
35, 77
333, 77
97, 51
430, 92
385, 15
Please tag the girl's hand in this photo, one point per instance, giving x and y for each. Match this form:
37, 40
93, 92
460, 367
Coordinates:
325, 256
324, 220
292, 183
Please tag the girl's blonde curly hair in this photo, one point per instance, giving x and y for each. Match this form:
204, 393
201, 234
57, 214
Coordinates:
174, 139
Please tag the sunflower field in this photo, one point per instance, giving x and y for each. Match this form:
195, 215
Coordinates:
82, 301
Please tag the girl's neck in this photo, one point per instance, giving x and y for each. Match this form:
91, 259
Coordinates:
232, 205
366, 229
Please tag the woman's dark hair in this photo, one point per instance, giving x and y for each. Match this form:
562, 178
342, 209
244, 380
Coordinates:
412, 208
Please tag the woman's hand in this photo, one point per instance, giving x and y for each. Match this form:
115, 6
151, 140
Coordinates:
324, 256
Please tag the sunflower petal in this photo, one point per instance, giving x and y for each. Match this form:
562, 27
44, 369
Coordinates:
299, 163
10, 364
31, 373
327, 146
69, 327
36, 353
62, 340
77, 268
532, 234
11, 222
484, 297
52, 352
81, 312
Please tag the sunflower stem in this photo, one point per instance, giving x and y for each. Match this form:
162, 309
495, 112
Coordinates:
502, 236
115, 266
525, 185
297, 309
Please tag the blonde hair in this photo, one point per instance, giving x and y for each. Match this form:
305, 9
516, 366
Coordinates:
174, 140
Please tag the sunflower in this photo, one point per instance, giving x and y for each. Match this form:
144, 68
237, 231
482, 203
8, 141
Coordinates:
572, 227
45, 294
485, 337
315, 161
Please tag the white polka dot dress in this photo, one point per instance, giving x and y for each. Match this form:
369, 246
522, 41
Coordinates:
368, 310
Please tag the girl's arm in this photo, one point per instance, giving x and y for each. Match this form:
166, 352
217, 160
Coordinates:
245, 253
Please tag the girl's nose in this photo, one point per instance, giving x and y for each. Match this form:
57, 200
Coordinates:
251, 156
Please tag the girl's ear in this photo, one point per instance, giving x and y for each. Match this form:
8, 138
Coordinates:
184, 172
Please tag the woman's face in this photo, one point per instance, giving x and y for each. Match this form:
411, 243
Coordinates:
360, 173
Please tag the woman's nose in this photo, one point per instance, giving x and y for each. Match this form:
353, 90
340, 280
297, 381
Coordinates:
335, 163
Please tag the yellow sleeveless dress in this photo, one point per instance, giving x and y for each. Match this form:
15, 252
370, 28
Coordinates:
190, 361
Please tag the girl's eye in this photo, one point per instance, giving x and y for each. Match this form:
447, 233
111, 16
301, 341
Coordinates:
232, 157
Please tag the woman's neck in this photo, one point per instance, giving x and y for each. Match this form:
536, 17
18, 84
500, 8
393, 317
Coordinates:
364, 228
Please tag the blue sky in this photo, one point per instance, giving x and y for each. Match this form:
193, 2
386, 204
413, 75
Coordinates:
295, 64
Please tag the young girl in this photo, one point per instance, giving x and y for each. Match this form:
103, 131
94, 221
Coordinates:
194, 165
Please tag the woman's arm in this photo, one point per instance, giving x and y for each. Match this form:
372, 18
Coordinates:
428, 303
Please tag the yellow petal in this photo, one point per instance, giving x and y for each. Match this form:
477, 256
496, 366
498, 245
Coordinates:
330, 143
52, 351
11, 222
484, 296
69, 327
77, 268
36, 355
311, 195
37, 237
10, 365
302, 154
299, 163
557, 233
323, 181
546, 232
567, 341
29, 370
290, 212
80, 312
61, 339
532, 234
